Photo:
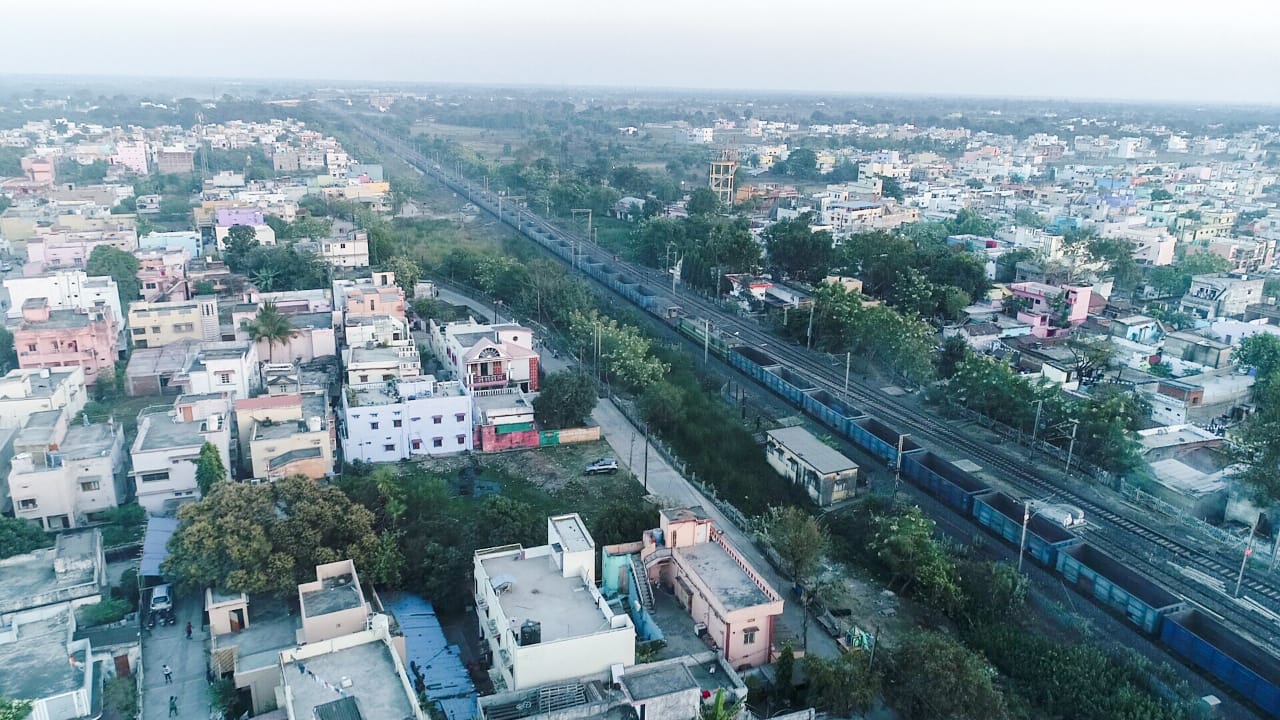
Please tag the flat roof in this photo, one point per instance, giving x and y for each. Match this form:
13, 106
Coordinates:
162, 432
1162, 437
813, 451
272, 628
374, 683
35, 664
723, 575
1185, 479
39, 386
336, 594
86, 441
536, 590
656, 682
573, 534
27, 577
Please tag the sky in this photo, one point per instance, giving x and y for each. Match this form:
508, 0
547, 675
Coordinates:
1185, 50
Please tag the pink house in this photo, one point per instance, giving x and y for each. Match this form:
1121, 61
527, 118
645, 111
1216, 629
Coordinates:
61, 338
58, 247
1043, 311
715, 584
163, 274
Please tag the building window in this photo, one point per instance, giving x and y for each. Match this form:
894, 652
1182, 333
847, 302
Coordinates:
224, 378
154, 477
364, 378
415, 444
90, 486
27, 504
373, 426
436, 419
462, 439
139, 331
749, 636
459, 417
155, 329
389, 448
437, 442
31, 348
397, 423
183, 327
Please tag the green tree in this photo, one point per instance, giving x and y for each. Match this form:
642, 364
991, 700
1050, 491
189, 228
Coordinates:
703, 201
271, 325
240, 240
800, 542
1159, 194
843, 686
968, 222
1256, 447
19, 536
1117, 253
891, 188
904, 545
800, 163
798, 251
784, 674
408, 271
119, 266
565, 399
933, 677
209, 468
14, 709
1093, 357
624, 353
1027, 217
1260, 352
662, 405
270, 537
955, 350
721, 708
8, 352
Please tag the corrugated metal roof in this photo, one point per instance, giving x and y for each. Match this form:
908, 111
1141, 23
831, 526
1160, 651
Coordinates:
155, 544
447, 681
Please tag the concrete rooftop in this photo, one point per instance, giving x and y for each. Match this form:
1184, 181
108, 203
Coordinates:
271, 629
334, 596
538, 592
36, 664
643, 684
813, 451
572, 533
164, 433
723, 575
27, 577
375, 686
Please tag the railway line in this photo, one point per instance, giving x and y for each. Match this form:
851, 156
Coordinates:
1197, 574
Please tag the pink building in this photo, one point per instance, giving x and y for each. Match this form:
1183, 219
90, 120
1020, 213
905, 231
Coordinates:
163, 274
1049, 309
58, 248
367, 297
61, 338
711, 580
39, 170
131, 155
230, 217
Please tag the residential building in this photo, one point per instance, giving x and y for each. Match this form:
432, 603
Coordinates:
288, 435
40, 171
1221, 295
1050, 309
58, 248
23, 392
163, 274
168, 444
381, 363
486, 357
825, 473
333, 658
42, 661
1245, 254
503, 420
345, 251
1197, 349
65, 290
49, 338
225, 218
541, 614
64, 474
386, 421
155, 324
73, 571
174, 161
152, 371
225, 366
386, 330
691, 558
374, 295
1207, 399
181, 240
313, 334
132, 155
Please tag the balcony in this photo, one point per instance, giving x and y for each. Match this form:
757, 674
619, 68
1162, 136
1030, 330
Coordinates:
488, 380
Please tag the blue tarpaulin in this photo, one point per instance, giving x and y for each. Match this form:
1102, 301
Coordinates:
448, 684
155, 544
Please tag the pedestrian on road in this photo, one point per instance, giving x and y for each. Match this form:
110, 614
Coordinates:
168, 674
188, 631
173, 706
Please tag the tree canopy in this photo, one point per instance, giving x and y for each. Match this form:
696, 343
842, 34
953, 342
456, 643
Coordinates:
209, 468
271, 325
19, 536
119, 266
565, 399
934, 677
797, 250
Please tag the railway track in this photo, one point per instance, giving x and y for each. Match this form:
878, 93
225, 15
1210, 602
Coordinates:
1120, 533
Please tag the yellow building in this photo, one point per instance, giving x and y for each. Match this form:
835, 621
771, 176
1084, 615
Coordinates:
156, 324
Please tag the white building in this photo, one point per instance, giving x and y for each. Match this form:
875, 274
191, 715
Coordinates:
65, 290
416, 416
64, 474
41, 661
227, 366
169, 443
347, 251
32, 390
486, 357
375, 363
541, 613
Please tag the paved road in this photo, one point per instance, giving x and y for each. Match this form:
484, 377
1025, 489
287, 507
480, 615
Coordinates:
674, 489
168, 645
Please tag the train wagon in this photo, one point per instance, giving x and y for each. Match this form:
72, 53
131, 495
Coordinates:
786, 383
1111, 583
832, 411
1244, 667
942, 479
750, 360
1003, 516
879, 439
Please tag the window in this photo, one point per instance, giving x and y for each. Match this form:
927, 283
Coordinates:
224, 378
437, 442
397, 423
184, 327
389, 448
462, 439
27, 504
415, 444
459, 417
155, 329
90, 486
364, 378
154, 477
436, 419
139, 331
373, 426
31, 348
749, 635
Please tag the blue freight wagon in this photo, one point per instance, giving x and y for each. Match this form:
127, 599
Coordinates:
941, 478
879, 439
1240, 664
1003, 516
751, 361
645, 297
1113, 584
786, 383
831, 411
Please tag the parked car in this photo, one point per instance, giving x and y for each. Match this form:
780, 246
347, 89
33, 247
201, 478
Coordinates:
161, 598
603, 466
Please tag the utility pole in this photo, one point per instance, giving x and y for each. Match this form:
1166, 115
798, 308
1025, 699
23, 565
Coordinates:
646, 458
706, 341
897, 466
1026, 520
1248, 550
1034, 428
848, 358
1075, 425
808, 343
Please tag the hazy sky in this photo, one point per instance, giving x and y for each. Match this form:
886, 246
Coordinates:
1226, 50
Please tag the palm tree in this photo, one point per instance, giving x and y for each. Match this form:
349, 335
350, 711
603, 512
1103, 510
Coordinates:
271, 325
722, 708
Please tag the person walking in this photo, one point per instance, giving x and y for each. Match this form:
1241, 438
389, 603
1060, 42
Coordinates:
173, 706
168, 674
188, 631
